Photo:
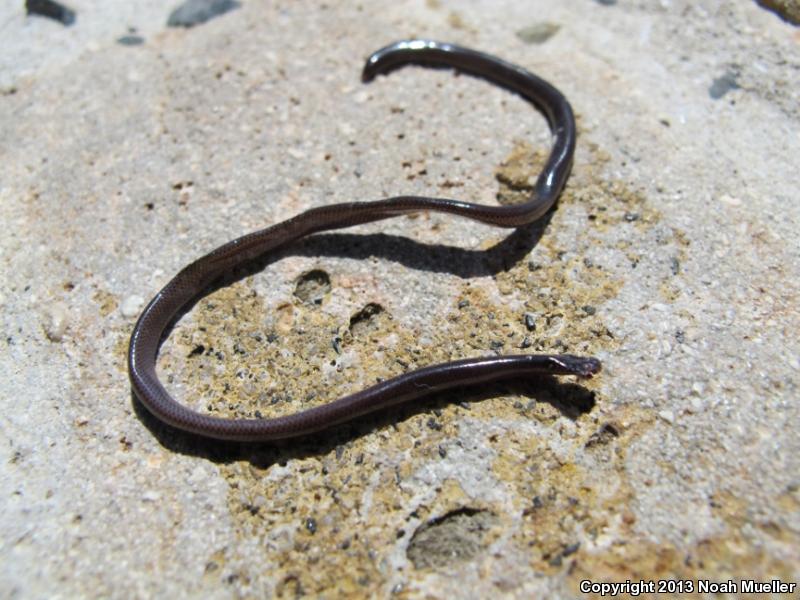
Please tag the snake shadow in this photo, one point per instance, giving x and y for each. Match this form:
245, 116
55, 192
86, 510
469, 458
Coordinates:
571, 399
435, 258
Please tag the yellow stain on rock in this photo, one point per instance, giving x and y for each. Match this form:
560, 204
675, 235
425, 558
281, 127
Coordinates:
334, 514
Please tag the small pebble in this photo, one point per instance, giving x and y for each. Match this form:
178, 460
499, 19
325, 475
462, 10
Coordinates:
130, 40
56, 322
195, 12
571, 549
311, 525
730, 200
533, 265
696, 405
722, 85
538, 33
530, 321
151, 496
667, 415
131, 306
434, 424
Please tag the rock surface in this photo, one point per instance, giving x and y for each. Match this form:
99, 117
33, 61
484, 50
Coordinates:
673, 256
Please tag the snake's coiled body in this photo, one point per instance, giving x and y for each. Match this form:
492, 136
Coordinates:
187, 285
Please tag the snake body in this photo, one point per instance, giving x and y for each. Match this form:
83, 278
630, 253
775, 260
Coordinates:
195, 278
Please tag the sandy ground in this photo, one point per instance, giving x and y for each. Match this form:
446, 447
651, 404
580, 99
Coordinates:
673, 256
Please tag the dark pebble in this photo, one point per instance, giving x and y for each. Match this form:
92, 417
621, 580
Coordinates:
722, 85
195, 12
606, 2
630, 217
130, 40
589, 310
530, 321
311, 525
432, 424
50, 9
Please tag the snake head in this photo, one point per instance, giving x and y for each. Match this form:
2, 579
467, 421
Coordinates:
581, 366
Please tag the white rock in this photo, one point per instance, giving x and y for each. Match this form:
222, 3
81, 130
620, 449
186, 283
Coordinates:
151, 496
131, 306
667, 415
55, 323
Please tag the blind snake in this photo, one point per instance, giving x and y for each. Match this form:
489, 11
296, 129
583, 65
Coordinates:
194, 279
